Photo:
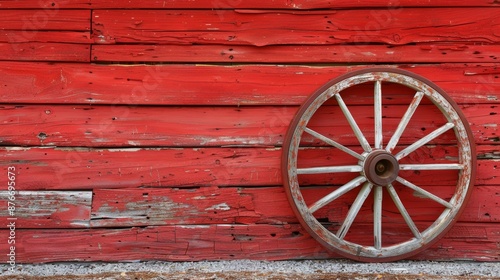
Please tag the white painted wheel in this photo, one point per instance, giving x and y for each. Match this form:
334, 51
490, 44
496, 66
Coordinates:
357, 177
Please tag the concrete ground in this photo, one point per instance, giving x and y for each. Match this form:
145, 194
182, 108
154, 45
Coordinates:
244, 269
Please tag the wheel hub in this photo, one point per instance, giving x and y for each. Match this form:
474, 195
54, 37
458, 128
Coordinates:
381, 168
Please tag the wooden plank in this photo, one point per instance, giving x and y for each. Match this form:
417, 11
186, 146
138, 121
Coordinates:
108, 126
125, 126
45, 52
267, 27
269, 205
233, 4
84, 169
473, 241
16, 39
283, 4
423, 53
206, 205
213, 85
179, 243
48, 5
78, 169
48, 209
45, 34
31, 21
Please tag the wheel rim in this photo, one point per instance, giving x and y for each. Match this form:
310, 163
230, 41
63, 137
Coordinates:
382, 164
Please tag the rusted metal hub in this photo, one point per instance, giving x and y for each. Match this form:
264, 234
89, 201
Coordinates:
380, 168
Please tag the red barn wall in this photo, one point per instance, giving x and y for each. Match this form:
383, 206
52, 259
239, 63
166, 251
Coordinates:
152, 130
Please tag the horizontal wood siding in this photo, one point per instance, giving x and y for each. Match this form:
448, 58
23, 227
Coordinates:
230, 85
49, 209
69, 168
259, 27
476, 241
48, 34
421, 53
232, 4
153, 130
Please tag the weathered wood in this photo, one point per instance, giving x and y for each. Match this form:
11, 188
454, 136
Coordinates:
31, 21
44, 34
16, 38
213, 205
44, 4
267, 27
214, 85
77, 168
233, 4
125, 126
109, 170
109, 126
207, 205
422, 53
45, 52
53, 168
178, 243
48, 209
283, 4
474, 241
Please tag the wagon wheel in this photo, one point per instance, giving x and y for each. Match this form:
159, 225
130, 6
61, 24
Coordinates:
358, 180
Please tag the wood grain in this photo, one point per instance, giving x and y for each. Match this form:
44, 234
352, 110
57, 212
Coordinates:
283, 4
233, 4
421, 53
45, 52
130, 126
215, 242
214, 85
30, 21
269, 205
44, 4
152, 130
48, 209
323, 27
84, 169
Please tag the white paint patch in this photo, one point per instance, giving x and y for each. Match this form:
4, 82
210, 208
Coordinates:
124, 150
133, 143
221, 206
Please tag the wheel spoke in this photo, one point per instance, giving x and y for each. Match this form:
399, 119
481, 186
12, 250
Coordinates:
431, 136
329, 169
337, 193
404, 121
378, 114
375, 159
357, 131
354, 210
377, 217
333, 143
424, 192
404, 212
450, 166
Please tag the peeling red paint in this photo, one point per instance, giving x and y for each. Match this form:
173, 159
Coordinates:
154, 129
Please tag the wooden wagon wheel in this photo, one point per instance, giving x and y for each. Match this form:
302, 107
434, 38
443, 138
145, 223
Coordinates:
360, 191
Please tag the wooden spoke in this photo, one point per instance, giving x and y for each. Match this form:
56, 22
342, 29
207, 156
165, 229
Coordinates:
337, 193
379, 167
333, 143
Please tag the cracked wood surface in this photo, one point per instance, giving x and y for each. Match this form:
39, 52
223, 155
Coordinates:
236, 85
132, 126
70, 169
260, 27
152, 130
222, 241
